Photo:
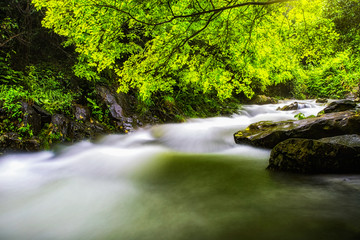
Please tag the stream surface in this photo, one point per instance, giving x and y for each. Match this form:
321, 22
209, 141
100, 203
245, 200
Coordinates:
186, 181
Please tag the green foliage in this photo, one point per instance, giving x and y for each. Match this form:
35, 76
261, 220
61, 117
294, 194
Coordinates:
49, 89
333, 78
155, 49
10, 98
96, 110
41, 85
7, 74
345, 15
299, 116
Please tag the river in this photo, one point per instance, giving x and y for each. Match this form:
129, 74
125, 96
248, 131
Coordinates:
186, 181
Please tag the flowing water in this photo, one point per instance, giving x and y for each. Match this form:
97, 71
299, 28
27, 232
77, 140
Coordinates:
186, 181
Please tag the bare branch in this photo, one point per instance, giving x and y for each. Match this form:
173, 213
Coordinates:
11, 38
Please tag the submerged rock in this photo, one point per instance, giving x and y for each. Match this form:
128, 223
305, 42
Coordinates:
269, 134
340, 106
340, 154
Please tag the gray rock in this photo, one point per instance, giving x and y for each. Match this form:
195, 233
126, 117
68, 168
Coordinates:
111, 102
293, 106
61, 126
82, 113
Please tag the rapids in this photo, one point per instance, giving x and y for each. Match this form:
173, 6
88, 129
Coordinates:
186, 181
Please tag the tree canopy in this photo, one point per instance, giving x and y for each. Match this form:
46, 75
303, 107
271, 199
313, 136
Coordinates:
194, 46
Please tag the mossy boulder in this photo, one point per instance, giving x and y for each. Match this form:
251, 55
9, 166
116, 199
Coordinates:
262, 99
340, 154
269, 134
11, 142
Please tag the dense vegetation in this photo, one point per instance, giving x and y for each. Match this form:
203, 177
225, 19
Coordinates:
188, 57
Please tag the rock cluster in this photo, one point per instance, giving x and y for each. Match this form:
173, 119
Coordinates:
49, 128
326, 144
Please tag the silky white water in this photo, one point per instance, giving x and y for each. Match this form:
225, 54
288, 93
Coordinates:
173, 182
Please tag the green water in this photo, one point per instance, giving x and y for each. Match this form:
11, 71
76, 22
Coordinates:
186, 182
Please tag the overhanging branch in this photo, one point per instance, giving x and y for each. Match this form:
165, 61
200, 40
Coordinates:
174, 17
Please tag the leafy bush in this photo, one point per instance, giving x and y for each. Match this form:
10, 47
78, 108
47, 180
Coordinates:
333, 78
48, 88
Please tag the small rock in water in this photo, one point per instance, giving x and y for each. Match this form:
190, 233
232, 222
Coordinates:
293, 106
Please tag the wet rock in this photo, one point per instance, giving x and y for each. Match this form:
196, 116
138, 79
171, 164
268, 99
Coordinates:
340, 154
121, 108
339, 106
80, 131
321, 100
45, 115
61, 126
293, 106
67, 130
269, 134
11, 142
81, 113
111, 101
262, 99
31, 117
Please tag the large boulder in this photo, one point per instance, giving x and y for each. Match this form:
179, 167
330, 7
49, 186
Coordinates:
340, 154
340, 106
269, 134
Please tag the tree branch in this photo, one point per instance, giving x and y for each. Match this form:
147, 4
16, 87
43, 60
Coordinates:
174, 17
11, 38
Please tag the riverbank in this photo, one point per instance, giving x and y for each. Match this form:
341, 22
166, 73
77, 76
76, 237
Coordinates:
27, 125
